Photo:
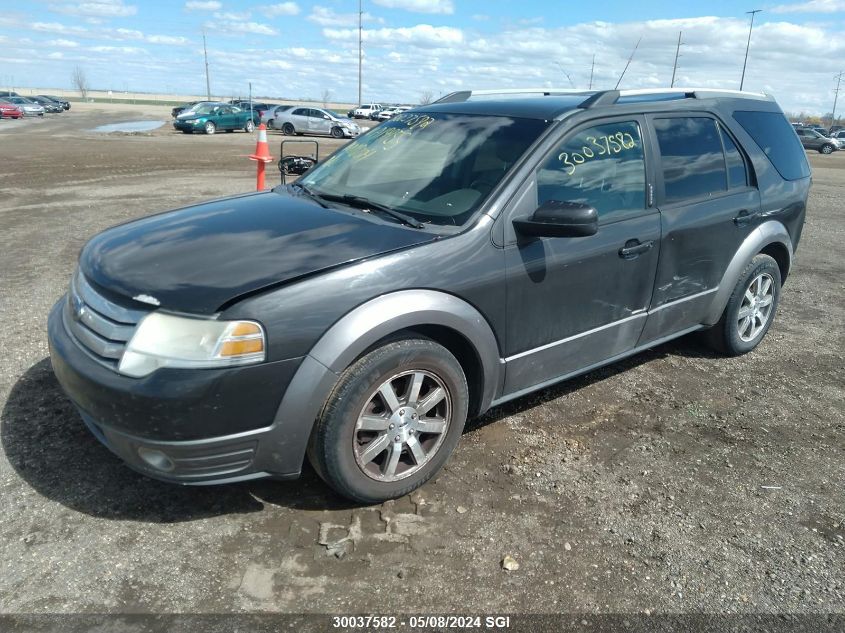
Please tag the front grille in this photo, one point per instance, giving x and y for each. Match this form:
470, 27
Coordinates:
101, 327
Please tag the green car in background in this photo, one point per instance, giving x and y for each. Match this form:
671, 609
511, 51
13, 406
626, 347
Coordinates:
209, 117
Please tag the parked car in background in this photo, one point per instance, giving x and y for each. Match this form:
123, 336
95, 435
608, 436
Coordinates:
182, 108
64, 102
364, 111
315, 121
389, 113
821, 130
836, 128
811, 139
209, 117
9, 110
839, 137
269, 116
256, 106
5, 94
49, 105
30, 108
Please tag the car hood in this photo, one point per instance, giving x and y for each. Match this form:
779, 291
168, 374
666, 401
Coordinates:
190, 117
201, 258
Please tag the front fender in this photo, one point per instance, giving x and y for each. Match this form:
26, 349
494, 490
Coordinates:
357, 331
769, 232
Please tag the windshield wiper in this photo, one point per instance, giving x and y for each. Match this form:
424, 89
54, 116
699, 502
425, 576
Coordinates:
367, 205
316, 198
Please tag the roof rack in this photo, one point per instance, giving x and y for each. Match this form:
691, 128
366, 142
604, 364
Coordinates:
595, 98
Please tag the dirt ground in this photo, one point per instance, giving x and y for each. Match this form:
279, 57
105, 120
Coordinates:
676, 481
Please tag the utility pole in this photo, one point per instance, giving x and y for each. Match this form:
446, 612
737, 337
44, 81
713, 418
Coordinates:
360, 45
624, 70
838, 79
677, 54
748, 45
592, 70
207, 82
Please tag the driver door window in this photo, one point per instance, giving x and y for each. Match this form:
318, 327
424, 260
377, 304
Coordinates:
602, 166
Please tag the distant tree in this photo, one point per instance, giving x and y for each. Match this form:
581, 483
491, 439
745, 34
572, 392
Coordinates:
426, 97
80, 81
326, 96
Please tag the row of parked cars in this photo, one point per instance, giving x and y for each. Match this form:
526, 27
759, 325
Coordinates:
212, 116
377, 112
823, 140
14, 106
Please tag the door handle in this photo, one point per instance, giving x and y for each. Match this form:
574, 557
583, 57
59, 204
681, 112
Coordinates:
635, 248
745, 216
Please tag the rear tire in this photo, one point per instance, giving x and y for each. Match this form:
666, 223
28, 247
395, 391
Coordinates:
371, 447
249, 127
750, 310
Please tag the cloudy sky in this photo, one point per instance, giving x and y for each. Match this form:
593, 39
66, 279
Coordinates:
299, 48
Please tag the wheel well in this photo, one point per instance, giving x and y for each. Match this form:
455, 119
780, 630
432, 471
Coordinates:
780, 254
459, 346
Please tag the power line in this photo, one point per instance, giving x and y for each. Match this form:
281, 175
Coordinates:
748, 44
677, 54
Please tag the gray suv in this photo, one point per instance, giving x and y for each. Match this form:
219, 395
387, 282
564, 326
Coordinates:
458, 256
812, 139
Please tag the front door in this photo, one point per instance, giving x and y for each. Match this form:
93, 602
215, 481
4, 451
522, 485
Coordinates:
575, 302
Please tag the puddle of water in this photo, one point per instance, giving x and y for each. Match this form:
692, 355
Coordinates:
129, 126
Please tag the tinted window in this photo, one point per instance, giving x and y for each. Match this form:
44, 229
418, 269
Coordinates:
773, 134
691, 155
737, 176
301, 112
601, 166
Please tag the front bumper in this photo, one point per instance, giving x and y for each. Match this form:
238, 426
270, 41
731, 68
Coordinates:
203, 426
187, 125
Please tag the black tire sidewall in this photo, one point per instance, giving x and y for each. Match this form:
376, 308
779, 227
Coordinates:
332, 445
733, 344
288, 129
337, 132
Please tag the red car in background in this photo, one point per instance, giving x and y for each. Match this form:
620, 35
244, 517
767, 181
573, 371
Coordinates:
9, 110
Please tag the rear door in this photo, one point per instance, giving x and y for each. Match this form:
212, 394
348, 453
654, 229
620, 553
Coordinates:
708, 205
299, 119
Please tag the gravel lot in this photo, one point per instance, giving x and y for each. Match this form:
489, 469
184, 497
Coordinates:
676, 481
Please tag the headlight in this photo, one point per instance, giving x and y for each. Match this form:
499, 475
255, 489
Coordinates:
166, 340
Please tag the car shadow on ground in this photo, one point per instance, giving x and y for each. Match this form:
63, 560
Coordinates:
47, 444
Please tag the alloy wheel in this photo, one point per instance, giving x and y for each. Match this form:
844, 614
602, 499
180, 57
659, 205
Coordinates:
756, 307
402, 425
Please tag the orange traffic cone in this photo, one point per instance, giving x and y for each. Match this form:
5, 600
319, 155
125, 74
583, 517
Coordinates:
261, 156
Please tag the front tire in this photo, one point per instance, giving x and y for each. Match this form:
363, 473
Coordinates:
826, 149
337, 132
288, 129
750, 310
391, 421
210, 128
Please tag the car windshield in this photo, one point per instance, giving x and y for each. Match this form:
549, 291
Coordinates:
205, 108
435, 167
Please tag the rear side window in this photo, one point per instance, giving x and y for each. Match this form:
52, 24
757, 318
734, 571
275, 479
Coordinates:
692, 159
737, 176
776, 137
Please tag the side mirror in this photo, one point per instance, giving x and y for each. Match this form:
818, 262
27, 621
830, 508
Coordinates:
560, 219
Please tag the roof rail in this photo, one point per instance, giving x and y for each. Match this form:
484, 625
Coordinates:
595, 98
466, 95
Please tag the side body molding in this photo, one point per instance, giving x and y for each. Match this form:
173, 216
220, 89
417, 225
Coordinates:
351, 336
769, 232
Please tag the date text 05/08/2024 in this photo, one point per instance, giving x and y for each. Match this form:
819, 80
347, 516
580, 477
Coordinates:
421, 622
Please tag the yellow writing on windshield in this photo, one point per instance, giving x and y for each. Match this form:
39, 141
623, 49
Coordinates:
605, 145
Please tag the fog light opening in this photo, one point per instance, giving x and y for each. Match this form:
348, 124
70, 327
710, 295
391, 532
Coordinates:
156, 459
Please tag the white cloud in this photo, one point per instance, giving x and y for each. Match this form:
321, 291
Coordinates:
55, 27
282, 8
126, 50
227, 24
200, 5
325, 16
813, 6
419, 6
231, 15
63, 43
167, 39
97, 8
419, 35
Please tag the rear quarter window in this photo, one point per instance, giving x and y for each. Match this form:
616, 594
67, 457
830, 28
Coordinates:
778, 140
